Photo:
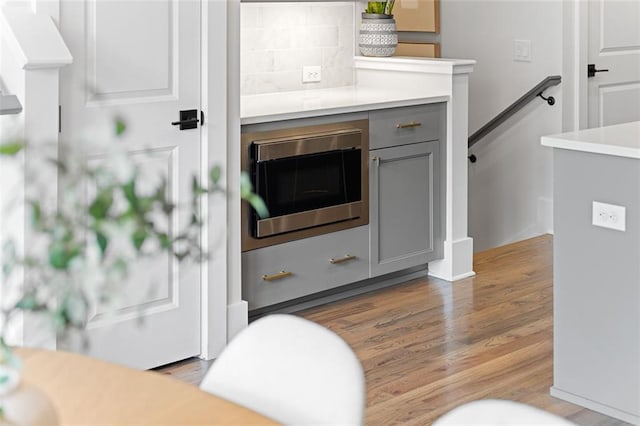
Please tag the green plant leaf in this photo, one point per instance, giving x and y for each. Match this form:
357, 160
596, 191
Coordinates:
103, 241
101, 205
61, 254
129, 191
28, 303
165, 242
196, 189
375, 7
145, 204
11, 148
120, 126
138, 237
214, 174
246, 188
36, 214
258, 205
9, 257
254, 200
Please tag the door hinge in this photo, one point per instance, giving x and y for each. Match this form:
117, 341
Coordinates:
59, 118
201, 118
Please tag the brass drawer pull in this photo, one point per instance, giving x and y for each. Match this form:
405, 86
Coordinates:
279, 275
408, 125
346, 258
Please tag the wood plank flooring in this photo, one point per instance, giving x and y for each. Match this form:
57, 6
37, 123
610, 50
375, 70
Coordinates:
428, 346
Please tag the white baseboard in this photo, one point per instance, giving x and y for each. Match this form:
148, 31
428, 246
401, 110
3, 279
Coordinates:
457, 263
237, 318
595, 406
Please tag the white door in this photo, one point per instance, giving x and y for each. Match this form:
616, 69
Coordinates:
141, 60
614, 45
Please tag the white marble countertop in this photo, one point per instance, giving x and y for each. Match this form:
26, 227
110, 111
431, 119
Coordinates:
310, 103
622, 140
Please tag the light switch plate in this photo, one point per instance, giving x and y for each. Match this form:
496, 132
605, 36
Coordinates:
522, 50
609, 216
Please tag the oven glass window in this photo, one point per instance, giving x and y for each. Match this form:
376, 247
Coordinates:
308, 182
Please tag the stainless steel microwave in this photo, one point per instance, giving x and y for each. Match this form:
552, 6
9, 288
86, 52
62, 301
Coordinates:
313, 180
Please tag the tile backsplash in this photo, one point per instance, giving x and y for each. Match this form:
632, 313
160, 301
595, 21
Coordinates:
278, 39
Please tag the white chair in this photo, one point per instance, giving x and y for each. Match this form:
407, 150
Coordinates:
497, 412
291, 370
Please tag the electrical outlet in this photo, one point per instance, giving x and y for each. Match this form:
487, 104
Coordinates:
609, 216
311, 74
522, 50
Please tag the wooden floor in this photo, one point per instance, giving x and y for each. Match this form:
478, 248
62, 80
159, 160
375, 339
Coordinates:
428, 346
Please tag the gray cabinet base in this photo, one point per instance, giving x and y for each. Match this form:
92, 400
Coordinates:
595, 406
341, 293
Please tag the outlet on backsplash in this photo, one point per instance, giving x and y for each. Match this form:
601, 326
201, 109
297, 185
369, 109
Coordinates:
279, 40
311, 74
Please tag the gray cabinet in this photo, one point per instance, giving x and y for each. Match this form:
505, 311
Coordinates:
596, 284
405, 176
299, 268
404, 225
405, 170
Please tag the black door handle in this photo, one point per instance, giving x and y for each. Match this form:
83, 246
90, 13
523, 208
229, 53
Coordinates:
188, 119
591, 70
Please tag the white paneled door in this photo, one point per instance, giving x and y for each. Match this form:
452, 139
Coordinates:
614, 45
140, 60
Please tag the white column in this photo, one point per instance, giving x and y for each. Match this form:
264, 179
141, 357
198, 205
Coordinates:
237, 308
458, 246
32, 54
437, 77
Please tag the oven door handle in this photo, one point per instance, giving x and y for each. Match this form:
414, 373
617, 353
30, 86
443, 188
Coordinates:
274, 149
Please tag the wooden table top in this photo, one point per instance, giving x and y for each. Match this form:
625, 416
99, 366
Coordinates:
89, 391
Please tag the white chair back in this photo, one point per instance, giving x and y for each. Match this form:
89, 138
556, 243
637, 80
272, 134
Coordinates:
291, 370
499, 412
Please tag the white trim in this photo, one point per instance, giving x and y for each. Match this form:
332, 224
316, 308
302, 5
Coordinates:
237, 312
575, 53
33, 38
422, 65
213, 295
237, 318
595, 406
457, 263
35, 66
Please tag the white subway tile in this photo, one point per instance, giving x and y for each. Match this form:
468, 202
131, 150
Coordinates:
278, 39
257, 61
325, 36
249, 15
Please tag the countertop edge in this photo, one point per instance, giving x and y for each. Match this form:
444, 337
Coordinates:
291, 115
590, 147
619, 140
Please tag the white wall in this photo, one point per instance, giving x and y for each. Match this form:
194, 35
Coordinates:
278, 39
510, 187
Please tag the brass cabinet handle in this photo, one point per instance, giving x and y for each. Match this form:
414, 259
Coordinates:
278, 276
345, 258
408, 125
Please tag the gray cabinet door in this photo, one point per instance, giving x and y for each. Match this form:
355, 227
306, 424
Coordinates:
404, 230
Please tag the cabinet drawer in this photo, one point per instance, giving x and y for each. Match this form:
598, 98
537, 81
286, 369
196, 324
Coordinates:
299, 268
400, 126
